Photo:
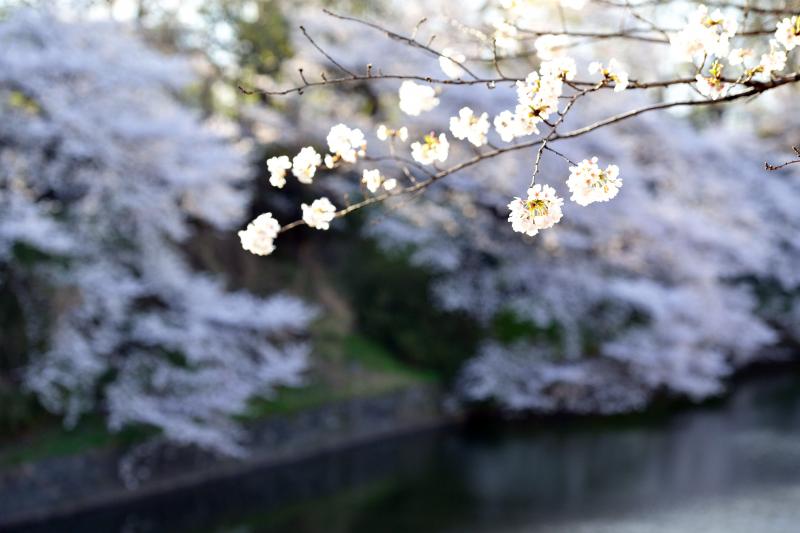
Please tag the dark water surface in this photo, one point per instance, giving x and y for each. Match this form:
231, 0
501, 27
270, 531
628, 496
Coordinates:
730, 467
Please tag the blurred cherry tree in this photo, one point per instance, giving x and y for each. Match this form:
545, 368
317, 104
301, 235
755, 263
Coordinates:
103, 174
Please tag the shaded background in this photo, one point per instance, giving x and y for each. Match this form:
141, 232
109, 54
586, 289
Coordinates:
130, 315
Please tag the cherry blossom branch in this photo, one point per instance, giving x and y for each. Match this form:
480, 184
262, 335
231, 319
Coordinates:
539, 97
796, 149
632, 84
553, 136
326, 54
410, 41
661, 3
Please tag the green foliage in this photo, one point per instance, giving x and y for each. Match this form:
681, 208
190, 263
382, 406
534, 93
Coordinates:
18, 410
53, 440
348, 366
262, 43
376, 358
507, 327
21, 101
392, 304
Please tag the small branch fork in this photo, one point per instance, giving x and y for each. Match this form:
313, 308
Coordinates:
747, 89
796, 149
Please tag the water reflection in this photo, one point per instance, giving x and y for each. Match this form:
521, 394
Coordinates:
730, 467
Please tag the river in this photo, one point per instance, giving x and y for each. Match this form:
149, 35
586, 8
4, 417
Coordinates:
730, 466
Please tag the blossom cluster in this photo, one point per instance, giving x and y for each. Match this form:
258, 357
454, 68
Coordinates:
467, 126
589, 184
705, 34
345, 145
416, 98
319, 214
540, 210
373, 180
259, 237
614, 72
431, 149
537, 100
706, 42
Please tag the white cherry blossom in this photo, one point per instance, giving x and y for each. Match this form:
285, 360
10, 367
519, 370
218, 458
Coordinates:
372, 179
305, 163
711, 87
773, 61
538, 99
259, 236
416, 98
739, 56
704, 35
277, 167
319, 214
588, 183
431, 149
467, 126
563, 68
385, 133
346, 144
788, 32
541, 210
613, 72
506, 125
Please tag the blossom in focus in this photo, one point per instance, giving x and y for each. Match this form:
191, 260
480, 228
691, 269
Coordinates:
549, 46
259, 236
562, 68
614, 72
788, 32
277, 167
538, 98
431, 149
588, 183
345, 144
506, 126
449, 63
541, 210
540, 93
704, 35
372, 179
319, 214
305, 163
385, 133
416, 98
711, 87
467, 126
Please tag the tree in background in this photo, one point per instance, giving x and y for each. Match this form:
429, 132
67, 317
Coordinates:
103, 173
